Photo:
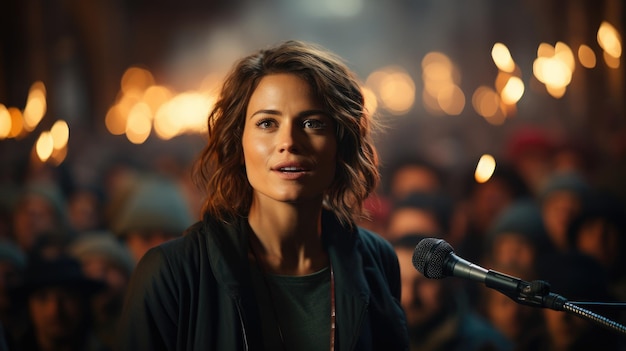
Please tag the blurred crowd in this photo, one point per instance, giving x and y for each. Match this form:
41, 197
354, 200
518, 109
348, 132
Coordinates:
67, 250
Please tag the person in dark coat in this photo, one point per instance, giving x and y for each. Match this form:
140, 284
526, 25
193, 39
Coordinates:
277, 261
56, 296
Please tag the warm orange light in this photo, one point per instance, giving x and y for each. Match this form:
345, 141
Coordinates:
394, 88
17, 122
441, 90
512, 91
5, 122
115, 120
35, 107
44, 146
485, 168
609, 39
155, 96
502, 57
486, 103
139, 124
451, 100
136, 79
371, 101
611, 61
186, 112
564, 54
60, 132
586, 56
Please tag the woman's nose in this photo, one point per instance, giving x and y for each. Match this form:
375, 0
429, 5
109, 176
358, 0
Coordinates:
288, 136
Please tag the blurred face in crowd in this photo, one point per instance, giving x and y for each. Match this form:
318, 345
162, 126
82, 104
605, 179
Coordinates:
412, 220
421, 297
84, 210
101, 268
487, 202
511, 249
601, 240
58, 313
564, 329
558, 210
33, 216
508, 316
413, 178
289, 142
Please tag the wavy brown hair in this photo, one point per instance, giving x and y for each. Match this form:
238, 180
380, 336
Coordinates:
219, 169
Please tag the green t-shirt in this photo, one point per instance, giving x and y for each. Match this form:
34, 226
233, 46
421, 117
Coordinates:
297, 306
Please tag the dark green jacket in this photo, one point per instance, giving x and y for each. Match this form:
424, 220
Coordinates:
195, 292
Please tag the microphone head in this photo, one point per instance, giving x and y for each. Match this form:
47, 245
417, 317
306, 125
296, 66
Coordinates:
429, 257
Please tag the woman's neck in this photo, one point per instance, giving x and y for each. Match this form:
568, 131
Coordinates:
287, 239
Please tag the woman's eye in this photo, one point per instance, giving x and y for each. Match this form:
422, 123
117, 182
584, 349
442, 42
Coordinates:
314, 124
265, 123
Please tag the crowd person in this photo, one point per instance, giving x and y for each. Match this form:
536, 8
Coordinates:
479, 203
56, 296
277, 262
103, 257
530, 150
514, 320
155, 211
40, 210
517, 238
438, 315
578, 278
413, 174
420, 212
85, 208
561, 199
599, 231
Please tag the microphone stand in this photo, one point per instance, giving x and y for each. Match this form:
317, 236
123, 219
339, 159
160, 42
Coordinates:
537, 294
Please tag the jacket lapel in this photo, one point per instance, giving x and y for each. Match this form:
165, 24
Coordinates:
352, 294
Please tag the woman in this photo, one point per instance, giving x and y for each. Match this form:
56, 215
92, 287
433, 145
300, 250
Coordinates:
277, 262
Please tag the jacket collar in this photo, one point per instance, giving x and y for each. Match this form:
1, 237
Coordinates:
228, 254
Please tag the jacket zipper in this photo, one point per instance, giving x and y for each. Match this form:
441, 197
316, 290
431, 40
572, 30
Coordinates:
243, 326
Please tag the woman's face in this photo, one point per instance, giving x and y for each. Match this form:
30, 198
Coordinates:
289, 142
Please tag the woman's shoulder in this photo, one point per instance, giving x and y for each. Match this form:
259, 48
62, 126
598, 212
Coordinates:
372, 239
182, 250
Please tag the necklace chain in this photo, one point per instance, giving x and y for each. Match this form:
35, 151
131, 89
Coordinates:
271, 296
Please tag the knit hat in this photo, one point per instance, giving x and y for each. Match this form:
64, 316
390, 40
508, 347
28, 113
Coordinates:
438, 204
523, 218
155, 204
569, 181
102, 244
51, 193
59, 271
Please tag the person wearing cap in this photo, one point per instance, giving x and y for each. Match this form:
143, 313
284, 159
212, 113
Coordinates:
155, 211
561, 200
40, 212
56, 294
104, 257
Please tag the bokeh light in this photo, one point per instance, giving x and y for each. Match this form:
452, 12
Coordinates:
609, 40
502, 57
394, 88
586, 56
485, 168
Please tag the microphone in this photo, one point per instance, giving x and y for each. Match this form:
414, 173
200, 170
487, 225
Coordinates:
435, 259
